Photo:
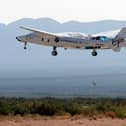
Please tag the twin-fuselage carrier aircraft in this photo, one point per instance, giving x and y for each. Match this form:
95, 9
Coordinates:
75, 41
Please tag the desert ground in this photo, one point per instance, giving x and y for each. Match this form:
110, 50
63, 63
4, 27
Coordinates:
64, 121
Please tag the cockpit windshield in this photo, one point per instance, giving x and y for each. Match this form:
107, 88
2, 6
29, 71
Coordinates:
101, 38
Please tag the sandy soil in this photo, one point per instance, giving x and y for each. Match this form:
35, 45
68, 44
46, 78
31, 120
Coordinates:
62, 122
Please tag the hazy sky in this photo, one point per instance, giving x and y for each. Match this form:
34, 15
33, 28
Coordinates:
63, 10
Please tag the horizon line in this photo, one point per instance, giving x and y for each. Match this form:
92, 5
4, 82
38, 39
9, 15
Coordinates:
63, 22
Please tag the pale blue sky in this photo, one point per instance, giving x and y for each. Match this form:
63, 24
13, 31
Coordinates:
63, 10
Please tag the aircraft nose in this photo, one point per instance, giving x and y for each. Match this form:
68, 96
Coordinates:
18, 38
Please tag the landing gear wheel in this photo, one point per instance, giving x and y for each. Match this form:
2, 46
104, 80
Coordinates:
94, 53
25, 45
25, 48
54, 53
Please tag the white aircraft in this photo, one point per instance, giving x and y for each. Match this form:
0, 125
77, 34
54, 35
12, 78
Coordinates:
74, 40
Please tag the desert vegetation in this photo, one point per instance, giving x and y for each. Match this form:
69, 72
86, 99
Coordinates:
115, 108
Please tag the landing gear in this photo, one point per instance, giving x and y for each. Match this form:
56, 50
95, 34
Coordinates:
25, 45
94, 53
54, 52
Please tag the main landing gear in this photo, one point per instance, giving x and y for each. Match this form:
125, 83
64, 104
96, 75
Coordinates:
94, 53
54, 52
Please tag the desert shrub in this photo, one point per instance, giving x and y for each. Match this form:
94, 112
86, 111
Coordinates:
52, 106
121, 113
20, 109
5, 108
73, 108
100, 108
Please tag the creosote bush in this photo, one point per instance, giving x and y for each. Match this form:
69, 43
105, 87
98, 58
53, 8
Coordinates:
73, 106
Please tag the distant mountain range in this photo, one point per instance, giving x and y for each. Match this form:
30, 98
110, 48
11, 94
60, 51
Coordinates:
51, 25
13, 57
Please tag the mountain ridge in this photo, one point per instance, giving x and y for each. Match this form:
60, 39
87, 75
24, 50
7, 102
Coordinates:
69, 26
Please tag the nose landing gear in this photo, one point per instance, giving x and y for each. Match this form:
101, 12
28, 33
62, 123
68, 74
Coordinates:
25, 45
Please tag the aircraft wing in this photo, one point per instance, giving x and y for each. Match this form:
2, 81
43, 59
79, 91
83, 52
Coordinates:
39, 32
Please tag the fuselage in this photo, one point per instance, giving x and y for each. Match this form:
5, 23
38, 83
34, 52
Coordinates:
76, 41
70, 42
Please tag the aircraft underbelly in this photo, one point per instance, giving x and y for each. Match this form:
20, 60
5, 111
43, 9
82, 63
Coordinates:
65, 44
78, 45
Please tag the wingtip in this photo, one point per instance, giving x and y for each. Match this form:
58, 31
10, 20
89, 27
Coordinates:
21, 27
25, 28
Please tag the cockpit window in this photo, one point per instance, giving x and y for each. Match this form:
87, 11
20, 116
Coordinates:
101, 38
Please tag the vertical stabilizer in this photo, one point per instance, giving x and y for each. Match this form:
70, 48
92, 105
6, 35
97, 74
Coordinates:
121, 34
